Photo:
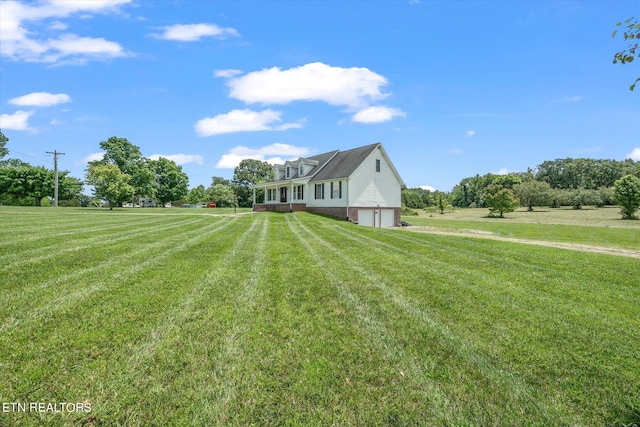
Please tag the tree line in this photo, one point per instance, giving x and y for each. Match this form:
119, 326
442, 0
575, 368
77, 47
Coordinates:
24, 184
561, 182
124, 175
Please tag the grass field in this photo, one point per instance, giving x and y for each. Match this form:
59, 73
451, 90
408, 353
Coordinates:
588, 226
203, 317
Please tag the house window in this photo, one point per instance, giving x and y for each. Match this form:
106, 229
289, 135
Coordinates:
298, 192
336, 190
319, 191
288, 171
377, 165
300, 171
271, 194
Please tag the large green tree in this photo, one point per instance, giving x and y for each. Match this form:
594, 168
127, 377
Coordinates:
631, 34
248, 173
128, 158
110, 184
197, 195
171, 183
27, 181
627, 193
221, 194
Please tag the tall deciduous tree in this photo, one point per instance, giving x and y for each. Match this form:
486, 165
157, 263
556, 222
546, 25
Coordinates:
248, 173
197, 195
27, 181
128, 158
120, 152
222, 195
110, 183
171, 183
631, 33
627, 193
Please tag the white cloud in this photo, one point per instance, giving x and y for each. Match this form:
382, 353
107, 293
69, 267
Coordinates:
470, 133
356, 88
377, 114
428, 188
195, 32
502, 171
274, 153
180, 159
634, 154
40, 99
16, 121
93, 157
58, 26
455, 151
226, 73
19, 44
242, 121
567, 99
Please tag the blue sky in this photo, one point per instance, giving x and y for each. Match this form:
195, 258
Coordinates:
451, 89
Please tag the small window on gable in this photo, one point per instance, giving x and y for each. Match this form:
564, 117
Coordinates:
377, 165
288, 171
300, 171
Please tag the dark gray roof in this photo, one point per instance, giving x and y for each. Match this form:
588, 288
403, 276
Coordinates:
343, 164
322, 159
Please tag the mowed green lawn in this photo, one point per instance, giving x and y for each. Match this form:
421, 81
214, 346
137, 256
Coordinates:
185, 317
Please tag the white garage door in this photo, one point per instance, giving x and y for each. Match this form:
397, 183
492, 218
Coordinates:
365, 217
387, 218
376, 217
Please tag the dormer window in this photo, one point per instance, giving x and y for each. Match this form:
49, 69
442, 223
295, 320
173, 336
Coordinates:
300, 171
288, 172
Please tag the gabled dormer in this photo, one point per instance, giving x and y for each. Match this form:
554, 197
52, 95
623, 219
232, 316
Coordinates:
278, 172
293, 169
305, 166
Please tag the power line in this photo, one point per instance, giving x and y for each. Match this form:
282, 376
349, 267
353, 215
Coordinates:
55, 168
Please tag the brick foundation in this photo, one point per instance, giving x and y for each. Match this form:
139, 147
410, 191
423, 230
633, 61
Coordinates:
335, 212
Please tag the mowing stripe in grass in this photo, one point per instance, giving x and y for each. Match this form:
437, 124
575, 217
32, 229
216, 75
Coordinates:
65, 228
231, 353
377, 332
127, 394
19, 259
522, 393
29, 314
208, 378
553, 306
159, 333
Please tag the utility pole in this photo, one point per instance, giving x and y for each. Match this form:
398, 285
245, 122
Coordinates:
55, 169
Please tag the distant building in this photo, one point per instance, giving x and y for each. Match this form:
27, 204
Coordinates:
146, 202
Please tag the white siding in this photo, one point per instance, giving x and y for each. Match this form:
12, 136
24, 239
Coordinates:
370, 188
327, 202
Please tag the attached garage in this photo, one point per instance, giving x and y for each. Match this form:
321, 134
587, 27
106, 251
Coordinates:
379, 217
365, 217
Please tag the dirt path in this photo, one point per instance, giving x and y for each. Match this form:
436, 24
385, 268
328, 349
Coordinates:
489, 235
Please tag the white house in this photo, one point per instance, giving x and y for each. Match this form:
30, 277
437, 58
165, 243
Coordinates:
360, 184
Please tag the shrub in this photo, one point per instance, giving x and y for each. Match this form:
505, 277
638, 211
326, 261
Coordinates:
627, 193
